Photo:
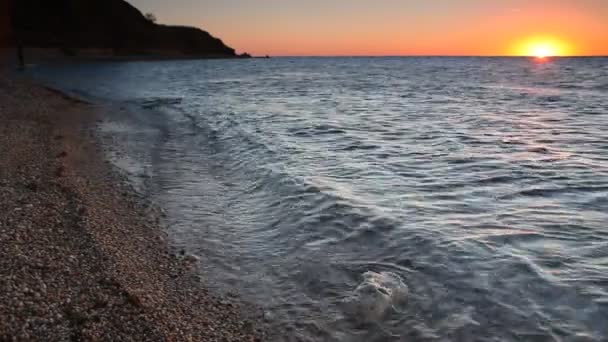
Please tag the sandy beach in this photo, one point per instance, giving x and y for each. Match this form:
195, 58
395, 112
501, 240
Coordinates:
81, 256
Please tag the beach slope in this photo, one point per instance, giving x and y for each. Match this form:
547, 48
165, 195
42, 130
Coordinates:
81, 257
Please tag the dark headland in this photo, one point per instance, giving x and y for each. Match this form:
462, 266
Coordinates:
102, 28
82, 256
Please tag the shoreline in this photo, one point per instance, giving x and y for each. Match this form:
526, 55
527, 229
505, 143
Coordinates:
83, 257
52, 56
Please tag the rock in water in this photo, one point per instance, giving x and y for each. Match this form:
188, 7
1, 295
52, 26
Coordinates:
375, 295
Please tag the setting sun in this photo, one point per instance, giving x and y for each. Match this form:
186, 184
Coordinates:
542, 48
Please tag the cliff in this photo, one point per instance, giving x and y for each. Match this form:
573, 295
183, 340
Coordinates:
107, 24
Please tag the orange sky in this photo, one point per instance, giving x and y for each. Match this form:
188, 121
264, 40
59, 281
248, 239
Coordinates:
394, 27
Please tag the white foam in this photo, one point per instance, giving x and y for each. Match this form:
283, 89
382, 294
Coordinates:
375, 295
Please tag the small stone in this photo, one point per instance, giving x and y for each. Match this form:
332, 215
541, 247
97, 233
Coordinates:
134, 299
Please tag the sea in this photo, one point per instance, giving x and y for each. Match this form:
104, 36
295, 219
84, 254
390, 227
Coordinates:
375, 199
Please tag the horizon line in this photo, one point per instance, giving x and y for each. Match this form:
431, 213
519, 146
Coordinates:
426, 56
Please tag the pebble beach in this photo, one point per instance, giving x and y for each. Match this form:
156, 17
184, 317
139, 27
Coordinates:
82, 258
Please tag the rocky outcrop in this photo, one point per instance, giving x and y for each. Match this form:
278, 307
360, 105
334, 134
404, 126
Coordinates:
107, 24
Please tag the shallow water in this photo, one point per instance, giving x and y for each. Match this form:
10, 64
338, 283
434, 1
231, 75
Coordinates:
376, 199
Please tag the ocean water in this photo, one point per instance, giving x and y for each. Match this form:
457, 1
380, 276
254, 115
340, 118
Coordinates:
377, 199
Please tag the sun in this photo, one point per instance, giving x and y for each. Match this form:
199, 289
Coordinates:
541, 47
543, 50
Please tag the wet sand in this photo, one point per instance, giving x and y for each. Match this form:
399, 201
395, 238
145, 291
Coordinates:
81, 256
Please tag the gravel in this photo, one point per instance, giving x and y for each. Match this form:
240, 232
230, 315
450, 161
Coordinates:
81, 257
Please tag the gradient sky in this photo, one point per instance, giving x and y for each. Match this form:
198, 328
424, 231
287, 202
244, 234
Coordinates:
393, 27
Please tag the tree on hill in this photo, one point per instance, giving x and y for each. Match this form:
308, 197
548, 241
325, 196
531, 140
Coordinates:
151, 17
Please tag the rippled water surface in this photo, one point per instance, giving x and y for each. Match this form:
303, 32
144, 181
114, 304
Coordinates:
378, 199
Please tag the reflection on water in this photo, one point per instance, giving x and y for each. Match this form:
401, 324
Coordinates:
362, 199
